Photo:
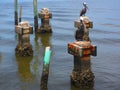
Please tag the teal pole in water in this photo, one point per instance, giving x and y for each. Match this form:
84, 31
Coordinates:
35, 15
47, 56
16, 11
45, 72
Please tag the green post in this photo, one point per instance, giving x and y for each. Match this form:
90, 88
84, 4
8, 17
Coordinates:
20, 14
35, 15
16, 11
45, 72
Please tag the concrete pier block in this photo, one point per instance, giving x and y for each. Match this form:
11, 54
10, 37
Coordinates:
23, 48
45, 16
82, 75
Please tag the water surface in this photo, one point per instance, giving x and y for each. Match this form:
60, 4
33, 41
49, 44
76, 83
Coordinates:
17, 73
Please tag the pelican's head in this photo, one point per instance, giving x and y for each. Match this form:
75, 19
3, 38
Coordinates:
84, 3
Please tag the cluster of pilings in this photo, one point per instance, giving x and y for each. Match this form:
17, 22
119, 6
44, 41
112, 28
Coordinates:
45, 16
82, 75
81, 49
23, 29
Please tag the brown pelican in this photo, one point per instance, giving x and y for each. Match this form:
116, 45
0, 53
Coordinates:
83, 11
80, 32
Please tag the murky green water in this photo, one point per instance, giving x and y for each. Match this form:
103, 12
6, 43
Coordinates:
24, 73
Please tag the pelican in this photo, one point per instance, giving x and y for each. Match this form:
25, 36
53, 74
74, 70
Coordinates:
83, 11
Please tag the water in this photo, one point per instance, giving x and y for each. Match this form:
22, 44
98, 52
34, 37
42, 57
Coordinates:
24, 73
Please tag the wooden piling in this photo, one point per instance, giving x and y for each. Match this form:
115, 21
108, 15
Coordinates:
16, 11
35, 15
45, 72
20, 14
24, 48
45, 16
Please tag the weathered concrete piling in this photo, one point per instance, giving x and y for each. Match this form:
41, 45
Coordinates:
35, 15
45, 16
82, 75
45, 72
24, 48
16, 11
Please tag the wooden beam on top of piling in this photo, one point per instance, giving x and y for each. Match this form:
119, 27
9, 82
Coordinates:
16, 11
35, 15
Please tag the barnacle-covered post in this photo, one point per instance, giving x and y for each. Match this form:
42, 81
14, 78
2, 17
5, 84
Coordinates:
23, 48
81, 50
45, 16
16, 11
82, 75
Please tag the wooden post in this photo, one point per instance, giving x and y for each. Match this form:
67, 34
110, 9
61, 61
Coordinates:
82, 75
45, 72
35, 15
16, 11
45, 16
24, 48
20, 14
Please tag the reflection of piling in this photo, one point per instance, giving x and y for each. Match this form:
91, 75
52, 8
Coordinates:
45, 72
82, 75
16, 11
35, 15
45, 16
24, 48
24, 70
20, 14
